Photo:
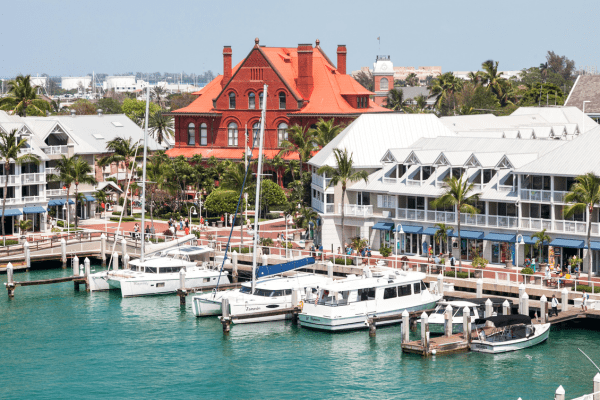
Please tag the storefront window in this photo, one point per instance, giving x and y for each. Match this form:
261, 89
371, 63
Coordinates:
469, 248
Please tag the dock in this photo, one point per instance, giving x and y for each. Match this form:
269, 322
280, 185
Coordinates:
438, 345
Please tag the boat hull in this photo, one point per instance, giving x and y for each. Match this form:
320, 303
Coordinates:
98, 282
206, 307
252, 307
147, 287
540, 336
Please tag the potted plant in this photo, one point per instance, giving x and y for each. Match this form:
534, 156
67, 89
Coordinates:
479, 263
527, 271
24, 226
541, 239
211, 240
574, 262
266, 243
358, 245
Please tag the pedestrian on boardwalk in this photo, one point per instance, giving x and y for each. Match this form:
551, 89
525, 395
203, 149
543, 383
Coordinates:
170, 222
187, 230
180, 223
187, 223
554, 304
585, 298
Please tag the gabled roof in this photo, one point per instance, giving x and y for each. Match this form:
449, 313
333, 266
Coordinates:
586, 88
560, 115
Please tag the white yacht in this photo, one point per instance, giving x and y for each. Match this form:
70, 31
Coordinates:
437, 318
349, 303
159, 273
505, 333
269, 294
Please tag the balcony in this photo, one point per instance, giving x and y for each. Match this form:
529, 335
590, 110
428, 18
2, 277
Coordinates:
25, 150
12, 179
33, 178
355, 209
537, 224
59, 192
410, 214
413, 182
542, 195
33, 199
389, 180
320, 181
55, 150
51, 171
11, 200
505, 188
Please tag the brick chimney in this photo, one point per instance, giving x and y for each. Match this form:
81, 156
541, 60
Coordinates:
341, 59
226, 65
305, 70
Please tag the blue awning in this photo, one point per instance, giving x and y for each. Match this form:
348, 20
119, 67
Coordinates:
34, 210
500, 237
468, 234
529, 240
432, 231
595, 245
11, 212
410, 228
59, 202
384, 226
568, 243
89, 198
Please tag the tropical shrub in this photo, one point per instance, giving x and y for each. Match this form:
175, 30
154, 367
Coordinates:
385, 251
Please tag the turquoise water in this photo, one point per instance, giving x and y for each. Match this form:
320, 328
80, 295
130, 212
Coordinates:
58, 343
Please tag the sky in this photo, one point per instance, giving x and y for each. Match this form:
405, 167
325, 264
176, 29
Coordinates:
74, 38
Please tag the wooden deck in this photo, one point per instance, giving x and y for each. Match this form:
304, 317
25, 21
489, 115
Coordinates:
438, 345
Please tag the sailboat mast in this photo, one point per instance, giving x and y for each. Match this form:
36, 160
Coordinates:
144, 173
258, 179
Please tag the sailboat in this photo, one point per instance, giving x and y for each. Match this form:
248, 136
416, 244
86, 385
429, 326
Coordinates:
269, 293
159, 273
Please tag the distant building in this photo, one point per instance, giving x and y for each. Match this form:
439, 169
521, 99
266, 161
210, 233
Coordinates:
586, 89
401, 73
75, 82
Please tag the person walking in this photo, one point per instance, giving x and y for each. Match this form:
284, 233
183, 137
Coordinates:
180, 223
548, 278
554, 304
585, 298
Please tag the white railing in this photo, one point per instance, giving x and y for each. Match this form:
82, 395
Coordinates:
575, 227
409, 214
536, 195
412, 182
12, 179
55, 149
499, 221
25, 150
441, 216
389, 180
31, 199
536, 224
11, 201
559, 197
329, 208
477, 186
320, 181
441, 184
33, 178
56, 192
317, 205
505, 188
51, 171
355, 209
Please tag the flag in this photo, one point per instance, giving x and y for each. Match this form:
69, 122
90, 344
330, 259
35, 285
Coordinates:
378, 37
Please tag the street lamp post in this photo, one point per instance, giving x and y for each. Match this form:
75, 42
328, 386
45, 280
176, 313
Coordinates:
190, 213
583, 118
66, 207
517, 243
399, 231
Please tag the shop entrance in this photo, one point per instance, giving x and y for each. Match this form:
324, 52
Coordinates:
469, 248
500, 252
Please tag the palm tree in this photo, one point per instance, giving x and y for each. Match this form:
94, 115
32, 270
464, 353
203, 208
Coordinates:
343, 173
474, 77
395, 100
542, 239
458, 194
160, 126
493, 78
66, 175
233, 177
584, 193
100, 196
306, 215
125, 151
421, 101
158, 174
365, 78
277, 164
300, 141
325, 131
445, 86
22, 95
24, 225
412, 79
81, 174
544, 71
441, 235
293, 167
158, 92
10, 146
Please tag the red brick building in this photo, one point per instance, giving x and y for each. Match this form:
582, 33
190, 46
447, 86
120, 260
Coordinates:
303, 86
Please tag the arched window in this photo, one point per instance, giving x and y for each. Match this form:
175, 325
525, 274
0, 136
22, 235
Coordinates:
191, 134
232, 129
203, 135
282, 133
260, 100
232, 100
251, 101
282, 101
255, 134
384, 84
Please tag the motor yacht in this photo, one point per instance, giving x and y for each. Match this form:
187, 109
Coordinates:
348, 303
505, 333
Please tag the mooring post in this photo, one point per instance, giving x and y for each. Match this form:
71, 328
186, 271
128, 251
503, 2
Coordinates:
330, 269
10, 282
115, 261
424, 329
448, 321
123, 250
372, 327
295, 304
234, 270
126, 261
560, 393
182, 291
103, 248
521, 290
544, 309
440, 283
506, 308
75, 266
265, 260
466, 321
63, 252
225, 318
488, 308
27, 254
405, 327
564, 300
597, 387
479, 288
525, 304
87, 273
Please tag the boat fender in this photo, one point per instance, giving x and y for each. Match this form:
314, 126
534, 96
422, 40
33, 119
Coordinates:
301, 305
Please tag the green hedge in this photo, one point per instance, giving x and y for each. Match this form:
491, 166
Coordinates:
9, 242
272, 216
119, 213
461, 275
123, 219
342, 261
585, 288
62, 224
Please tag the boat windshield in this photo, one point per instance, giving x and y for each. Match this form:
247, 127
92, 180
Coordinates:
169, 270
271, 293
246, 289
151, 270
345, 297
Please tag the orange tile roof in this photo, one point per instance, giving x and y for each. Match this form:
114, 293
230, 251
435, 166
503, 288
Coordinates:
328, 90
222, 153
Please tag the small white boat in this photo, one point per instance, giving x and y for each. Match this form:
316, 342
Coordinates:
348, 304
269, 294
505, 333
159, 273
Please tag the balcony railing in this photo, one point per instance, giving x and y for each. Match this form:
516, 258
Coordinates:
320, 181
389, 180
505, 188
51, 171
559, 197
33, 178
412, 182
55, 149
536, 195
574, 227
12, 179
33, 199
58, 192
536, 224
10, 201
25, 150
355, 209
